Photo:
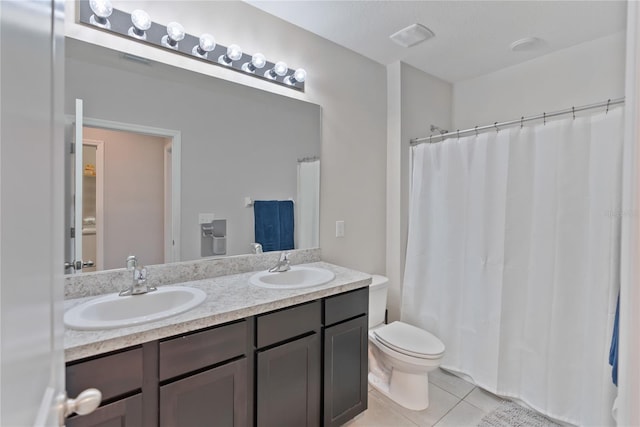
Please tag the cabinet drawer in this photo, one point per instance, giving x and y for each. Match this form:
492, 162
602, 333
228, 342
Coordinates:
346, 306
113, 375
216, 397
124, 413
191, 352
288, 323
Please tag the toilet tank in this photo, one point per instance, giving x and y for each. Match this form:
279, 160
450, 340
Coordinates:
377, 299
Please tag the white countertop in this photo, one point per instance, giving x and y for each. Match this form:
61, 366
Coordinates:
228, 298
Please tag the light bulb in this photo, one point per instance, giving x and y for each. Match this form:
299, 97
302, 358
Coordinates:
141, 23
299, 76
175, 33
233, 54
257, 61
205, 45
102, 9
280, 69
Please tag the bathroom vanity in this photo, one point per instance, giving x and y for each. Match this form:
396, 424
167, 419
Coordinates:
246, 356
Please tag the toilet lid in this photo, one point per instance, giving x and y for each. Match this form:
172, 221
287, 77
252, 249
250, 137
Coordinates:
409, 340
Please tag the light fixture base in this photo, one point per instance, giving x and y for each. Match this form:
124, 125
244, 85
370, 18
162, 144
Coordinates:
119, 23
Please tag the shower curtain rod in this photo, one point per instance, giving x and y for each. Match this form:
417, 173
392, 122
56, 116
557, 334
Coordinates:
496, 126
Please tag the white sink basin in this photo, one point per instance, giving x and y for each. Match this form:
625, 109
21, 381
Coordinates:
299, 276
113, 311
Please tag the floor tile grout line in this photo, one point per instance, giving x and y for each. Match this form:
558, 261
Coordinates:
469, 392
442, 417
394, 410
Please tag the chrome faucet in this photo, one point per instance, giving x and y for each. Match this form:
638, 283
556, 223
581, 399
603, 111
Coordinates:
139, 279
282, 265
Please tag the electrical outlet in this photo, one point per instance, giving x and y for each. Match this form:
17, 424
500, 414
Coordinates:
339, 228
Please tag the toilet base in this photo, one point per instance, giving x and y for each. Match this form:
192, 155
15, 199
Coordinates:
408, 390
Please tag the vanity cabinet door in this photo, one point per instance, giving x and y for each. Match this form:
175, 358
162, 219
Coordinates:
345, 370
288, 384
121, 413
215, 397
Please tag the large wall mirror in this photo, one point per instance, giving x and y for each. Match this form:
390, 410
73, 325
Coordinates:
164, 151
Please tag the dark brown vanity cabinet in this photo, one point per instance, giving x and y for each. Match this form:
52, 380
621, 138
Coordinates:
197, 379
119, 376
288, 367
304, 365
345, 356
204, 378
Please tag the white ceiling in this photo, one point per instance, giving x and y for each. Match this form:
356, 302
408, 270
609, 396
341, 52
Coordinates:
472, 37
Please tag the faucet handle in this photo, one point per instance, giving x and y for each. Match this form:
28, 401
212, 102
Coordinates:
132, 262
284, 256
140, 275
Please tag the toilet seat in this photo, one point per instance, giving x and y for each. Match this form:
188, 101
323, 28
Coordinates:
410, 340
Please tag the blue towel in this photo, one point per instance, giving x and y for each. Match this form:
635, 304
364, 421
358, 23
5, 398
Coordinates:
274, 224
613, 351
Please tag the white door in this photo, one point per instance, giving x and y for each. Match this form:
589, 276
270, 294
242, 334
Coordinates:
31, 214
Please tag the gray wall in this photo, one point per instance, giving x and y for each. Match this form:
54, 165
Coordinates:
236, 141
417, 100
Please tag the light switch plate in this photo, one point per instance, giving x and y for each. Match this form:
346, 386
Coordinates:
339, 228
205, 218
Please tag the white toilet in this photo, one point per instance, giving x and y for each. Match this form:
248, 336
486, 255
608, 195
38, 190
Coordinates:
400, 355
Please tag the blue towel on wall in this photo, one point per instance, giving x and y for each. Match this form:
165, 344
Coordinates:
613, 351
274, 224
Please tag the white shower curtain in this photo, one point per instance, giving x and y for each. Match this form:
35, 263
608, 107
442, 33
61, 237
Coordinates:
513, 259
308, 205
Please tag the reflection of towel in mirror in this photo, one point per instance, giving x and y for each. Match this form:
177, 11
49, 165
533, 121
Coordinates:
274, 224
613, 351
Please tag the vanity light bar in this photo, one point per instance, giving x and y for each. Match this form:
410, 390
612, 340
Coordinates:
173, 38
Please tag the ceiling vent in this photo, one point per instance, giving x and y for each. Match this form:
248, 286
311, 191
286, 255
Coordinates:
412, 35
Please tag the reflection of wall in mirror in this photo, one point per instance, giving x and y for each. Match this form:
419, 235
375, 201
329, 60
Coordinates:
133, 196
236, 141
89, 241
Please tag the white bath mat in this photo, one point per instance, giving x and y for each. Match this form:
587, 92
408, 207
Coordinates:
510, 414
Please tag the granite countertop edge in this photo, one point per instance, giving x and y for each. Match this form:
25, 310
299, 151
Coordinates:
229, 298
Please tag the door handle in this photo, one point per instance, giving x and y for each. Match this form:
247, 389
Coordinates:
86, 402
78, 265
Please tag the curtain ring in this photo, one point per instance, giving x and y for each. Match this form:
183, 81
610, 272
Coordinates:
458, 132
544, 119
573, 109
476, 130
608, 102
521, 122
430, 139
495, 125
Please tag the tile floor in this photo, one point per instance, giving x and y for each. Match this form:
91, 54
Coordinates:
453, 402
